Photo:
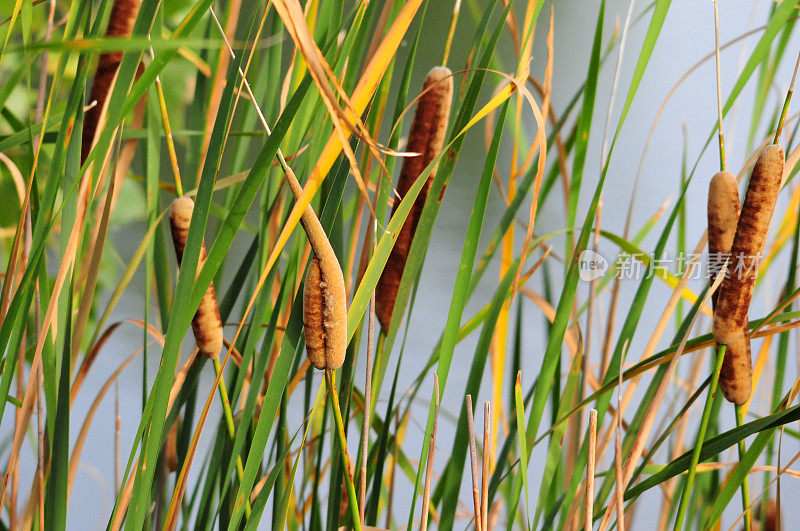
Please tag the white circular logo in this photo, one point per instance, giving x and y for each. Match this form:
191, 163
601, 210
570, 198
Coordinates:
592, 265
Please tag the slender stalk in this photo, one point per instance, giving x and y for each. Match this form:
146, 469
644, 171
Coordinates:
473, 456
487, 433
173, 157
719, 89
588, 511
786, 102
745, 483
701, 435
337, 415
226, 409
426, 498
362, 495
620, 478
451, 32
117, 426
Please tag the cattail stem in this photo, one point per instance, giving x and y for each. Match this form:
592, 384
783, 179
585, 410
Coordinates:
745, 487
337, 415
362, 495
701, 436
719, 89
588, 513
487, 433
473, 459
426, 497
453, 21
788, 99
226, 408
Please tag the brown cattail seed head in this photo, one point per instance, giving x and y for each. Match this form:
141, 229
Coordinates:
736, 375
120, 24
768, 511
171, 446
325, 314
426, 137
206, 324
723, 215
733, 302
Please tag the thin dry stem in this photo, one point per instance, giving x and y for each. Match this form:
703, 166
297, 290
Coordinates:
473, 459
362, 495
620, 482
487, 433
590, 468
719, 89
426, 498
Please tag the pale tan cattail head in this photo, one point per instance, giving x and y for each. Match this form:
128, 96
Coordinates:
426, 137
723, 215
206, 324
325, 314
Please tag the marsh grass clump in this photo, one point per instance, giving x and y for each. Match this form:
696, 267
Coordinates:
311, 420
426, 137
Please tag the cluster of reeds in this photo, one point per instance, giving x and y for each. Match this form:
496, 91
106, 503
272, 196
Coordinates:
263, 140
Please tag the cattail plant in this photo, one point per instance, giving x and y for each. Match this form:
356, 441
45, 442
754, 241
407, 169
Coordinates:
324, 295
120, 24
206, 324
723, 216
736, 290
426, 137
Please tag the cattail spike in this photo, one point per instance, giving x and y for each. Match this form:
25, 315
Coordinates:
120, 24
425, 137
736, 291
207, 323
324, 294
723, 215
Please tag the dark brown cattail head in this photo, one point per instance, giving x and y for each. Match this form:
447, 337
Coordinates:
723, 215
325, 314
736, 290
206, 324
120, 24
425, 137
